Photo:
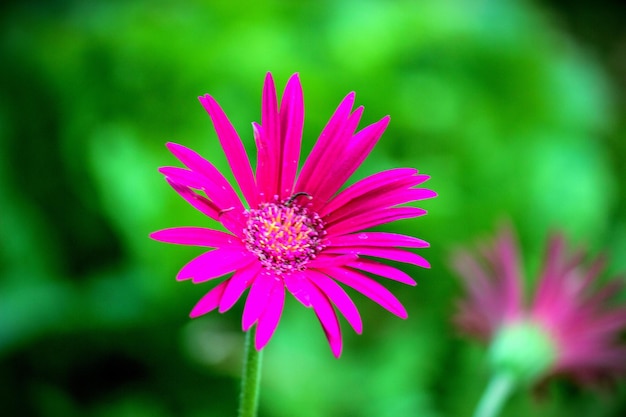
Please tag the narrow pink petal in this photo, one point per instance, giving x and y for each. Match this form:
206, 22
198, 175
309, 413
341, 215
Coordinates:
380, 202
233, 148
333, 159
292, 123
209, 302
335, 125
483, 289
550, 283
183, 177
381, 239
368, 287
268, 139
367, 220
268, 321
382, 270
257, 298
215, 263
324, 261
195, 236
296, 283
202, 204
238, 283
473, 321
328, 319
214, 192
509, 269
338, 297
392, 254
393, 179
357, 150
232, 220
215, 184
267, 163
269, 110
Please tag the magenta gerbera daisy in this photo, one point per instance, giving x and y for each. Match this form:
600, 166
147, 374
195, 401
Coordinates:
570, 326
296, 232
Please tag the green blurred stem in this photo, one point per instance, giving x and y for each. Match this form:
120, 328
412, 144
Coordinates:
496, 394
251, 378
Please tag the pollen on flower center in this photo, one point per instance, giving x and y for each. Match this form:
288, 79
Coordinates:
284, 236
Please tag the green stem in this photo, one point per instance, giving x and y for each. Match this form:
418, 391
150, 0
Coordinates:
500, 387
251, 378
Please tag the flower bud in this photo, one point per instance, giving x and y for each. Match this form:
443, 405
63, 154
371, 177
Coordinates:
524, 349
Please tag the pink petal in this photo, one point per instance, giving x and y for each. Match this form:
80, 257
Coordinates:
333, 158
367, 220
292, 122
355, 153
232, 220
214, 264
214, 193
484, 294
183, 177
267, 156
382, 270
393, 179
398, 255
202, 204
257, 298
269, 108
237, 284
268, 140
216, 185
368, 287
494, 286
328, 319
324, 261
381, 239
326, 141
209, 302
549, 283
338, 297
377, 203
310, 295
268, 321
195, 236
233, 148
508, 267
297, 284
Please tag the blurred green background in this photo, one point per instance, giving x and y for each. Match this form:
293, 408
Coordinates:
516, 109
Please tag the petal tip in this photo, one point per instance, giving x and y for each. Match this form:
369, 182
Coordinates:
196, 312
245, 326
259, 342
170, 145
336, 347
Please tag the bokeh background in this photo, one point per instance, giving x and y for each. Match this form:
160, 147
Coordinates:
516, 109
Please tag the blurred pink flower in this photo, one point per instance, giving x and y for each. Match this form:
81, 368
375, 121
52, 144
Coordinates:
576, 315
296, 232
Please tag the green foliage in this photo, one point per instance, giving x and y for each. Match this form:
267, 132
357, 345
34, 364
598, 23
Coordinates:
510, 116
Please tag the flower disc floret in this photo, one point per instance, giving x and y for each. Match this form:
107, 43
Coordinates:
284, 236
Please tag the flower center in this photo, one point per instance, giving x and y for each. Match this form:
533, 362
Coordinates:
284, 236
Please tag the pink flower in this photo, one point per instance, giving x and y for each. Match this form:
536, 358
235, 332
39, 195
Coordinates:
295, 231
570, 326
